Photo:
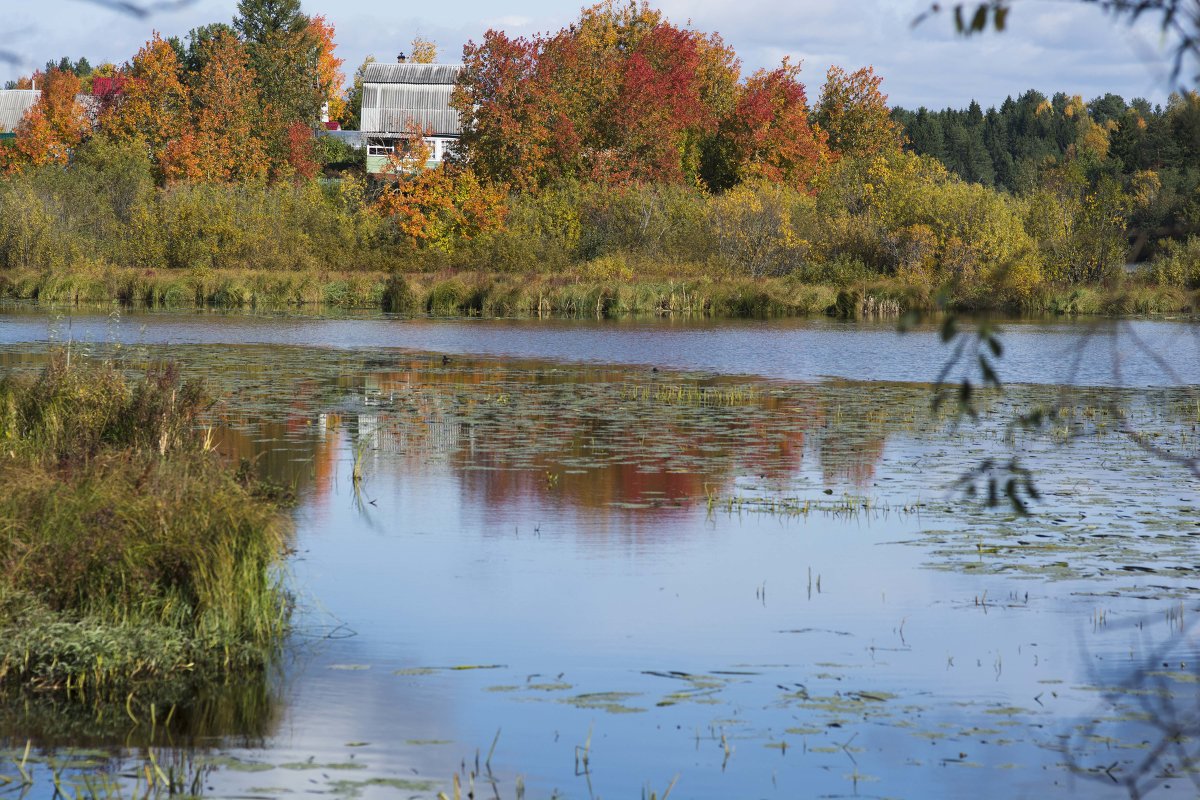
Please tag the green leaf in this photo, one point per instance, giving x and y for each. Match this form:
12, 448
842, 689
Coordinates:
989, 375
949, 328
979, 21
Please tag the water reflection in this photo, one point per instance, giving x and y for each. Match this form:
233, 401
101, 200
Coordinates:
590, 438
583, 532
244, 712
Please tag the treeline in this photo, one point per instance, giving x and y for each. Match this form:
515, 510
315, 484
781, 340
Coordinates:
1034, 140
621, 149
233, 103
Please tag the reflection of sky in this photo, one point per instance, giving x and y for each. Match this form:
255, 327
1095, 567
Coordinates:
788, 349
483, 588
436, 564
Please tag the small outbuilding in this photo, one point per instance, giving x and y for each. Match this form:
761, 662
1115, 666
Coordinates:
14, 104
402, 97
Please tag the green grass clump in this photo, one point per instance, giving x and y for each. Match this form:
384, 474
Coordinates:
129, 553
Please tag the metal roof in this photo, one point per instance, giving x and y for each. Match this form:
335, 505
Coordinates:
398, 96
411, 72
13, 105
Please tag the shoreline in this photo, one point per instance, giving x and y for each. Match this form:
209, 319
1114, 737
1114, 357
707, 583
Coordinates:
570, 294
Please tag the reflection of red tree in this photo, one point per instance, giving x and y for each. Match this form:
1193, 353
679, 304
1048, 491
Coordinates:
766, 440
325, 457
850, 459
523, 430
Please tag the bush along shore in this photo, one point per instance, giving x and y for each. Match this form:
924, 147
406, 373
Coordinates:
887, 236
133, 558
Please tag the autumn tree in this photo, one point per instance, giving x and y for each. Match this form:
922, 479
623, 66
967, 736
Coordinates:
506, 114
437, 207
53, 127
300, 153
854, 114
769, 134
423, 50
621, 95
329, 67
222, 141
153, 110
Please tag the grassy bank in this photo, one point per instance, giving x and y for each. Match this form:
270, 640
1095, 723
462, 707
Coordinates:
131, 555
596, 290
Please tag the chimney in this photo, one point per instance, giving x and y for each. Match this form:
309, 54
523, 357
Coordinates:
400, 59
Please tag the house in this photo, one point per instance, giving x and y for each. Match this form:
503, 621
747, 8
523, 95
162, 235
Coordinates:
14, 104
402, 97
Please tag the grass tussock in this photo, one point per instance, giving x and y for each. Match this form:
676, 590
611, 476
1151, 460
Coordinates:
130, 554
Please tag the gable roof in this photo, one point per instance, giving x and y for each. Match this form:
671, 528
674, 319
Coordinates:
397, 96
13, 105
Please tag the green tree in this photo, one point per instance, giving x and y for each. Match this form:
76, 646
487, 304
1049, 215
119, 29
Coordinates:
352, 110
258, 20
284, 55
198, 41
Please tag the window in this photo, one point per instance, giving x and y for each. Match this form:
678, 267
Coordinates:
380, 147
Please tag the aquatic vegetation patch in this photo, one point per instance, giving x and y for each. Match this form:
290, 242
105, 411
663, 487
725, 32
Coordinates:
610, 702
351, 789
131, 554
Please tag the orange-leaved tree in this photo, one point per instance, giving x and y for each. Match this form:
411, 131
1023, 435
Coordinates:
330, 77
438, 206
153, 108
222, 141
769, 131
620, 96
52, 127
513, 123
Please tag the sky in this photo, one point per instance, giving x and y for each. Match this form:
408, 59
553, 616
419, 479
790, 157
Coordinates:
1050, 45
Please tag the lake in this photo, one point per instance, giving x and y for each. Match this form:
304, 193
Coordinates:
727, 559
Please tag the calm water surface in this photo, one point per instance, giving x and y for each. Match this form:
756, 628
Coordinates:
1084, 353
747, 572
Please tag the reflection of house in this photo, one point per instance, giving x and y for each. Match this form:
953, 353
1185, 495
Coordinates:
401, 98
14, 104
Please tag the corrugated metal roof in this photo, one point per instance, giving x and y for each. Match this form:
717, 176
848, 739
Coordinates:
13, 105
411, 72
393, 107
